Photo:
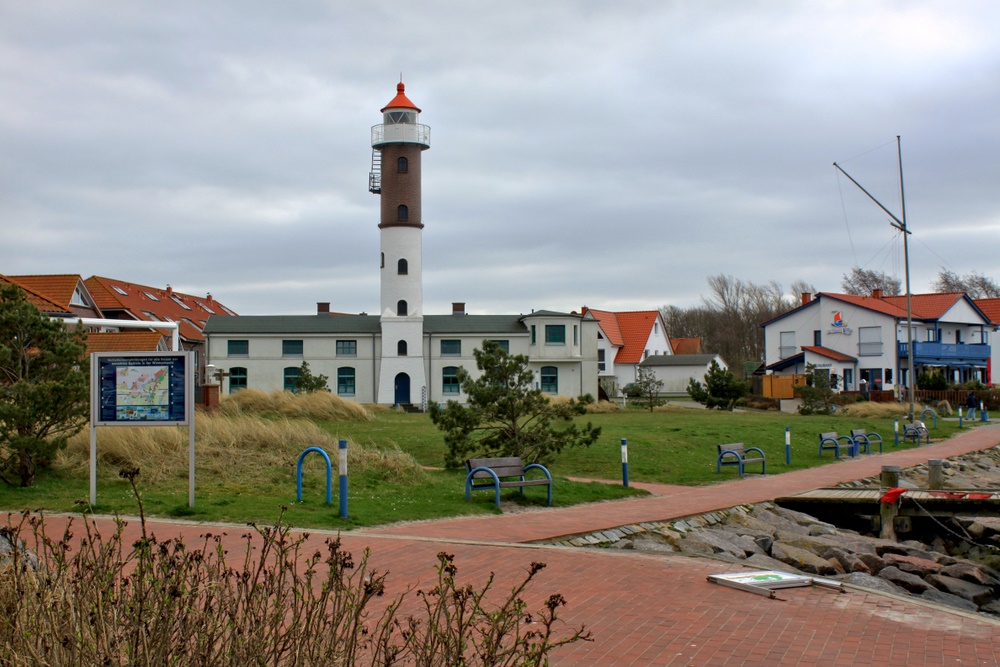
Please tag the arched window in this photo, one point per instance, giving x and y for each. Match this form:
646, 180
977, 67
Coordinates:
237, 379
401, 348
401, 308
449, 380
402, 267
550, 379
402, 213
402, 165
291, 378
345, 381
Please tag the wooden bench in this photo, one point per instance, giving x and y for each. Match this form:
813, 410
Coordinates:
831, 440
915, 431
735, 454
864, 439
497, 473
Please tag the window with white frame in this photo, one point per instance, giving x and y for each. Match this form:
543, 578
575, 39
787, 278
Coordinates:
786, 344
869, 341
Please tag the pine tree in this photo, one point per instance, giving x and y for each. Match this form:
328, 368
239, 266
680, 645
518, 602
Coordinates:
504, 416
43, 387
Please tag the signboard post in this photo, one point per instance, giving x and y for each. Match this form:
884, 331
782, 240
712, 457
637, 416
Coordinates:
141, 389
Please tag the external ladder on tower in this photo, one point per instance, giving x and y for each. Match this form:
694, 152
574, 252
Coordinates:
375, 176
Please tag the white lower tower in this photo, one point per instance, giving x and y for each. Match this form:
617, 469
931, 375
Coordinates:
396, 148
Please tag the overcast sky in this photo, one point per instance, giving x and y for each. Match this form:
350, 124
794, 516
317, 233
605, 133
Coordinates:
605, 154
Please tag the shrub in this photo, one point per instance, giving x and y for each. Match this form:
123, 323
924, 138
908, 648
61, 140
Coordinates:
107, 602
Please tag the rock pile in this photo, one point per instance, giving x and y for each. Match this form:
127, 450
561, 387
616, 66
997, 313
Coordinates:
957, 567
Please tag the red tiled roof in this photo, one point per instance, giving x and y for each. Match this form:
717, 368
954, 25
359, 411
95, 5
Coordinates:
990, 308
635, 327
124, 341
40, 301
827, 352
871, 303
609, 325
628, 330
58, 288
927, 306
400, 101
137, 301
686, 345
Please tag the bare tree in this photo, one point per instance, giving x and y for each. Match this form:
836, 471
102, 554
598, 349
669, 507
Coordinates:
975, 284
862, 282
729, 319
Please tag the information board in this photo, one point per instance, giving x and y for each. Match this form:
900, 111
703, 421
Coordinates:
141, 388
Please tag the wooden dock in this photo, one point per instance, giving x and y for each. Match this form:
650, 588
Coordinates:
851, 507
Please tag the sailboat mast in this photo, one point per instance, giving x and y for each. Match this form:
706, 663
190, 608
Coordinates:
901, 226
911, 376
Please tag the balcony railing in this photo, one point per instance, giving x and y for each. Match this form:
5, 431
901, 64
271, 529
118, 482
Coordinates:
947, 353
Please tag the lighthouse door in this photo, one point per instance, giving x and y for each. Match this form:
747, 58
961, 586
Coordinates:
402, 389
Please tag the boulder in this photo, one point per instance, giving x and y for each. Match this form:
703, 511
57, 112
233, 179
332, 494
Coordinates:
910, 582
863, 580
765, 562
948, 599
752, 523
801, 559
847, 560
721, 542
969, 572
918, 566
874, 563
963, 589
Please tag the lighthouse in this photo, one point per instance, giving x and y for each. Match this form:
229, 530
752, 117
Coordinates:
397, 144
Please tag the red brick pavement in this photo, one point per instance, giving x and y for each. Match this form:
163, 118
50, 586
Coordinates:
660, 610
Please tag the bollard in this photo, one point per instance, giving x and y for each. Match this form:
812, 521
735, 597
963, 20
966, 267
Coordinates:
982, 413
788, 446
625, 462
895, 431
889, 479
960, 419
342, 452
935, 474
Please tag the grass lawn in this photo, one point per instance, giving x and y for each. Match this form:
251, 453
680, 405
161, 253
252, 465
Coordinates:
675, 446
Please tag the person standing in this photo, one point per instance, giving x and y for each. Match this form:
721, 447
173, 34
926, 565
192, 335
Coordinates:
971, 403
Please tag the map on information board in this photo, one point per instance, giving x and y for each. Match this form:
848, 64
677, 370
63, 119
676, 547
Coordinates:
136, 388
142, 392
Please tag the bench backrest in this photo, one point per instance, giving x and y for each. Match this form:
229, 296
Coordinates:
855, 432
737, 447
832, 435
508, 466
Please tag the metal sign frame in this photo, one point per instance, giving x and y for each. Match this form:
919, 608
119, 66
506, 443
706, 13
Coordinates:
107, 410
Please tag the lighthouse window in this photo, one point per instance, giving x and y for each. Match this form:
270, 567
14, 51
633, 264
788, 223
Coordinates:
401, 348
402, 267
402, 165
401, 308
402, 213
396, 117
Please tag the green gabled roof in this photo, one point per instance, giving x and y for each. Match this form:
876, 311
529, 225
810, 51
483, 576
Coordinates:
474, 324
294, 324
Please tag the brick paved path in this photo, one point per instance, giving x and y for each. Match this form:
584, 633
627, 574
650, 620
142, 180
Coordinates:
659, 610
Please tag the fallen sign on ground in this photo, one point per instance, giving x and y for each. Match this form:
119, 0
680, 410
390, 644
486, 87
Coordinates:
765, 582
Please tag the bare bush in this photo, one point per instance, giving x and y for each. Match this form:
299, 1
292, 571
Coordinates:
100, 601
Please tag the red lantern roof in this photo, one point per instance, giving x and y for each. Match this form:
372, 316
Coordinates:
400, 101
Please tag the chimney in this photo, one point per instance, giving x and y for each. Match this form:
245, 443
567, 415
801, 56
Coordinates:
209, 298
806, 298
458, 308
170, 290
322, 307
876, 294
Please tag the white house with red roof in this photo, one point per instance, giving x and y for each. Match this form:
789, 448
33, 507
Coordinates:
859, 338
625, 340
